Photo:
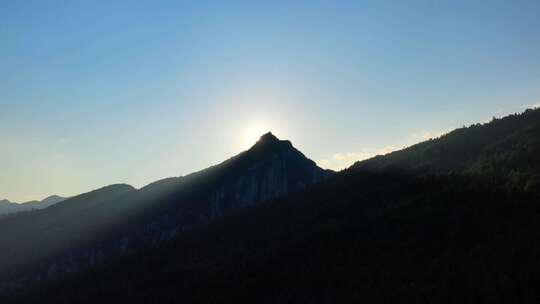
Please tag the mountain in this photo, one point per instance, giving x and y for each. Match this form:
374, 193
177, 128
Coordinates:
97, 226
502, 147
51, 200
407, 229
46, 202
7, 207
32, 236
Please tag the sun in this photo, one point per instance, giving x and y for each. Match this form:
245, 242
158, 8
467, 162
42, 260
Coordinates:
252, 133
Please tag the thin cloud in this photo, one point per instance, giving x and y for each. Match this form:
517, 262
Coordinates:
351, 156
422, 135
343, 160
323, 163
389, 149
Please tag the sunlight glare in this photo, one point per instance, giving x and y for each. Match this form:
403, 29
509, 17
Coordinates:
252, 133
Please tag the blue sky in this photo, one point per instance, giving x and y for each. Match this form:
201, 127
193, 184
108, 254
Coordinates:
99, 92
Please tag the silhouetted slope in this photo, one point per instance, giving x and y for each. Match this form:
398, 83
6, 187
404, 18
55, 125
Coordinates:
271, 168
100, 225
500, 147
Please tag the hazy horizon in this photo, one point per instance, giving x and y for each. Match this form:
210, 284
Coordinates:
347, 159
98, 93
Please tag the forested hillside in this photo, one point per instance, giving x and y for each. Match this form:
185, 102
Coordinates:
508, 147
392, 239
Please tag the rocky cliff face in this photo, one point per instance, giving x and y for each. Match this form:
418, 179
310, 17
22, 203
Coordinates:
275, 169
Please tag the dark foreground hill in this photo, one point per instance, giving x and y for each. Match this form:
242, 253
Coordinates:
428, 226
395, 239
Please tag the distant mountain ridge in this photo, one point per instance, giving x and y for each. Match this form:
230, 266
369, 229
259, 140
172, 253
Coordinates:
7, 207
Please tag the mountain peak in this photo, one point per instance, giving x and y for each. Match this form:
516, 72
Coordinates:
51, 200
269, 140
268, 137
